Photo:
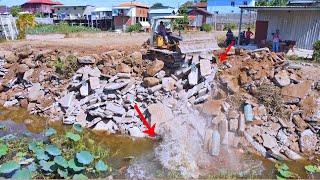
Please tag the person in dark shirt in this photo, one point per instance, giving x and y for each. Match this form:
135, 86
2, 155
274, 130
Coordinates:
249, 34
230, 37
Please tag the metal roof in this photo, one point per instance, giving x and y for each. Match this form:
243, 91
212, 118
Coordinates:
102, 9
284, 8
168, 17
49, 2
162, 11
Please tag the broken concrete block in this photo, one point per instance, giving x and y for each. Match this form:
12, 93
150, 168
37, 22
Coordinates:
136, 132
155, 88
108, 127
282, 78
11, 103
114, 86
155, 67
65, 101
193, 77
308, 141
84, 90
94, 82
28, 74
205, 67
86, 60
215, 143
151, 81
117, 109
233, 125
35, 92
95, 72
269, 141
300, 90
168, 83
69, 120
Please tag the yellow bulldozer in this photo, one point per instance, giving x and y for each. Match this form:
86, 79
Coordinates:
173, 47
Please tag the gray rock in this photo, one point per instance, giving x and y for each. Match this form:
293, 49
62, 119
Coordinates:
94, 82
233, 125
95, 72
205, 67
215, 143
84, 90
110, 127
269, 141
10, 103
258, 147
242, 123
115, 108
136, 132
292, 155
86, 60
114, 86
193, 76
35, 92
308, 141
65, 101
22, 68
168, 84
94, 122
27, 74
155, 88
282, 78
161, 74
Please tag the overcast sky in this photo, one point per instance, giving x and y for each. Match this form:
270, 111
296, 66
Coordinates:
106, 3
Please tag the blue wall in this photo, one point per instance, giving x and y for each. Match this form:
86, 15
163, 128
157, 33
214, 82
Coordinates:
224, 6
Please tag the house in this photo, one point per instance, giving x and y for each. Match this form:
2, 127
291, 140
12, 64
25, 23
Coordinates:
101, 13
303, 3
4, 10
200, 5
65, 12
162, 12
197, 17
39, 6
129, 13
298, 25
102, 18
227, 6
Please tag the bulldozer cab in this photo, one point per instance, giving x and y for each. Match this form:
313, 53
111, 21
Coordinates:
159, 40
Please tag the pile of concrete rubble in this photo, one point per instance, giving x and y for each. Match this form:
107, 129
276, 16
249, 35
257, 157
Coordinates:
102, 91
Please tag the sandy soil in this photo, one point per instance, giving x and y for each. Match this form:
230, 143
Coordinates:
87, 42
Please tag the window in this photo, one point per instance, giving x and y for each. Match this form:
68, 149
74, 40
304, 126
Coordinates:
67, 9
232, 3
58, 9
75, 8
245, 3
83, 8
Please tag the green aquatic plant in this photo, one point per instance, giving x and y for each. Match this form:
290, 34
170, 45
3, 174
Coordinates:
53, 150
312, 169
78, 128
76, 167
283, 172
3, 150
101, 166
84, 157
50, 132
9, 167
59, 160
73, 137
79, 177
22, 174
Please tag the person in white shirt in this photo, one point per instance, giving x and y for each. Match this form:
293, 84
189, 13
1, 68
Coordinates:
276, 41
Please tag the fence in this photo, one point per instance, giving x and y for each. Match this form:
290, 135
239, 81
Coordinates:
8, 28
219, 21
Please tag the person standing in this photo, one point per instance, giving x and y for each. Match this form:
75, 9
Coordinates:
276, 41
230, 37
248, 36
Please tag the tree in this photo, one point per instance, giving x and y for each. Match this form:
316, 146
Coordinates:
272, 3
158, 6
203, 0
183, 11
14, 10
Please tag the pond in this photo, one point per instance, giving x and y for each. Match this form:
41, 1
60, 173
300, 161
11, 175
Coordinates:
117, 151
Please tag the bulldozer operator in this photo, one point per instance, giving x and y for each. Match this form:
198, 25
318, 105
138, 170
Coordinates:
161, 30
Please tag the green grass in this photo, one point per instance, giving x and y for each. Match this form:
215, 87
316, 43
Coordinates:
59, 28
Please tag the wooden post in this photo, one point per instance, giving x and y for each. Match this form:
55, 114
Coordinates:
240, 24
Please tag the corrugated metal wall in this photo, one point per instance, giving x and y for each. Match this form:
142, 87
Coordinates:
302, 26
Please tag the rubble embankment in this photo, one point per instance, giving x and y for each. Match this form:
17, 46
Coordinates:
256, 99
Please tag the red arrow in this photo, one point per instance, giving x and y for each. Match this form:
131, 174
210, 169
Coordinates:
150, 130
223, 56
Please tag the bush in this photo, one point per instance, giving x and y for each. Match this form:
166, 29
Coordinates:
231, 26
316, 53
24, 22
62, 27
206, 27
134, 28
66, 66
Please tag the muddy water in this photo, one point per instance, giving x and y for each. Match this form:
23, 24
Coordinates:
125, 151
122, 149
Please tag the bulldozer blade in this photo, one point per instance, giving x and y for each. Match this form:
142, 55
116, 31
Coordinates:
201, 42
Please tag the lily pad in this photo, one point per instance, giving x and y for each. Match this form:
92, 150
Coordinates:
41, 155
23, 174
79, 177
312, 168
287, 174
8, 137
50, 132
3, 150
84, 157
77, 127
74, 166
46, 166
32, 167
101, 166
73, 137
61, 161
9, 167
63, 173
53, 150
